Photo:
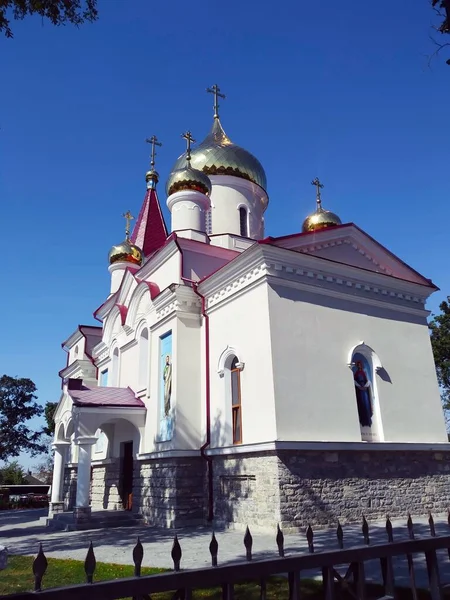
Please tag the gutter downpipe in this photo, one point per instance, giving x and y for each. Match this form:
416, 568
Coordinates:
203, 448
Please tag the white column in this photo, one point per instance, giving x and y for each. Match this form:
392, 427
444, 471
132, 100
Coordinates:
84, 471
187, 208
58, 470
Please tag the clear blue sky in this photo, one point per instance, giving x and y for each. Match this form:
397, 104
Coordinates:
339, 90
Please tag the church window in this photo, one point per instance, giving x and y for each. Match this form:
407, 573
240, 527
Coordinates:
243, 221
236, 412
143, 359
104, 377
115, 369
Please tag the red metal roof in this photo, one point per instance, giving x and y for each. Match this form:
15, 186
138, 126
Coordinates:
150, 232
105, 396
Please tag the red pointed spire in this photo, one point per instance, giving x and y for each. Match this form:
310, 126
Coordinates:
150, 230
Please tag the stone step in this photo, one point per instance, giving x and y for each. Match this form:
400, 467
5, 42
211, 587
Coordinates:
98, 520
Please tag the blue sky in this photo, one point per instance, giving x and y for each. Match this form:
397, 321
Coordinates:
339, 90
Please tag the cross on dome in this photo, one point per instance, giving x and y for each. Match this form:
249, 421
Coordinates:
128, 218
215, 89
316, 182
189, 140
154, 142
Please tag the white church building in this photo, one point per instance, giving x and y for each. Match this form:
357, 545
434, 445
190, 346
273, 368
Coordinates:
246, 379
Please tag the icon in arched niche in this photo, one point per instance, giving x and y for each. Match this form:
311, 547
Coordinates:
362, 377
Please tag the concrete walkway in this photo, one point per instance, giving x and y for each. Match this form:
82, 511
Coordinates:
21, 532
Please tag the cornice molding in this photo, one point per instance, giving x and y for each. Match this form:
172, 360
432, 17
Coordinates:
156, 261
304, 271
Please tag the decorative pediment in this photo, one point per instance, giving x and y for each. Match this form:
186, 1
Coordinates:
351, 246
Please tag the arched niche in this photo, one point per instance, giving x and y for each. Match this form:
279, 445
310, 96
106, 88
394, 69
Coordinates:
364, 363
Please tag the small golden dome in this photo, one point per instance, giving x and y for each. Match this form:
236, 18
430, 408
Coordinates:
320, 219
188, 178
125, 252
151, 177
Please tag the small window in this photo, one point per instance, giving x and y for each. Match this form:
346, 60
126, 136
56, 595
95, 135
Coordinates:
236, 402
104, 378
243, 221
143, 359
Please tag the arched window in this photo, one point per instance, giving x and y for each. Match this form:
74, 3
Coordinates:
236, 412
115, 368
243, 221
143, 359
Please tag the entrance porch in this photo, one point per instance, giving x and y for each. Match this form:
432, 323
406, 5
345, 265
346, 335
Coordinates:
99, 432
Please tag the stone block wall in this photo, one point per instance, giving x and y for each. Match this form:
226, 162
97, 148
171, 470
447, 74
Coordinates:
170, 492
105, 486
69, 487
297, 488
246, 490
321, 487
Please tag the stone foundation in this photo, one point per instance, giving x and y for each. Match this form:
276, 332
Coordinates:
297, 488
70, 487
105, 486
170, 492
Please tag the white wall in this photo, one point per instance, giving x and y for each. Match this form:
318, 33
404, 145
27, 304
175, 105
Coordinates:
244, 325
315, 398
227, 195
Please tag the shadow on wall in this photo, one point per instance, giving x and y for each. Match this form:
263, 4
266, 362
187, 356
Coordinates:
234, 483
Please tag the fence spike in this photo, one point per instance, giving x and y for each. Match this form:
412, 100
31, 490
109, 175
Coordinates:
248, 543
431, 524
310, 538
214, 549
40, 565
389, 529
280, 541
340, 536
138, 555
89, 564
176, 553
365, 531
410, 526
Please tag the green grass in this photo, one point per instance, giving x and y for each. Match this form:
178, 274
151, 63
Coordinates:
18, 577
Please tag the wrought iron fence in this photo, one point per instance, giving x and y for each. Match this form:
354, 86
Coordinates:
182, 583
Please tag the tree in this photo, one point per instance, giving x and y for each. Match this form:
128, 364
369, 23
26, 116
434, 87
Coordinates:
12, 474
49, 413
442, 8
17, 407
44, 469
440, 341
58, 12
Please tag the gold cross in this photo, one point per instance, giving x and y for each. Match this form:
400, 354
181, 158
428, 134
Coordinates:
189, 140
319, 186
215, 89
154, 142
128, 218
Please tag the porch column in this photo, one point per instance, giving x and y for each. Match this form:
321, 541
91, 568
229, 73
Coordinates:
82, 509
56, 502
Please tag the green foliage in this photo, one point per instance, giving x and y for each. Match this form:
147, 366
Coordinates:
12, 474
49, 413
442, 8
17, 407
440, 341
58, 12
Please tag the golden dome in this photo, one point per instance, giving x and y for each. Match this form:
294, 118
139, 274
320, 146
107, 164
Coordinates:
187, 178
125, 252
151, 177
320, 219
217, 155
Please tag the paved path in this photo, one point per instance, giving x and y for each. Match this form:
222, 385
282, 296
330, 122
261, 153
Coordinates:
21, 532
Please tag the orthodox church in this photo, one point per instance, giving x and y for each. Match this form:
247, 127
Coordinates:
239, 378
